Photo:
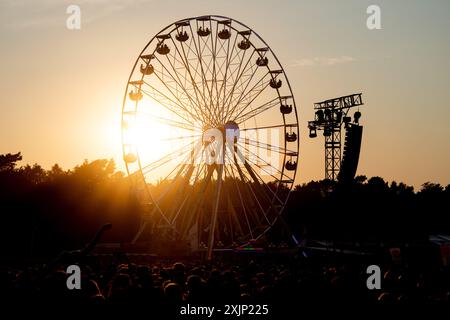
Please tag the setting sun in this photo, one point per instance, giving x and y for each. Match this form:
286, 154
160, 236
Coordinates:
153, 132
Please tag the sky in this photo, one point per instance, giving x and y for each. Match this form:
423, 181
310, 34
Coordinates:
61, 90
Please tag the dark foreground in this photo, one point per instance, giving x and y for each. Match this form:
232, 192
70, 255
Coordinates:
276, 284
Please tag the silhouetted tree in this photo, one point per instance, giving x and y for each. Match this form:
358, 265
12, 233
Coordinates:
360, 179
9, 161
33, 174
57, 209
431, 188
55, 172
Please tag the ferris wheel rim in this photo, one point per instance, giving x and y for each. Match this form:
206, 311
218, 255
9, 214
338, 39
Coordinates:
214, 18
225, 18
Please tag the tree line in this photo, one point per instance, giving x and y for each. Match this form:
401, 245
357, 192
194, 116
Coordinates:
45, 211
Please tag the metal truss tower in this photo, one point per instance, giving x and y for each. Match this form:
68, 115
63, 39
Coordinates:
329, 117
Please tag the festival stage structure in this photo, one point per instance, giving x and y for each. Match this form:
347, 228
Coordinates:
330, 116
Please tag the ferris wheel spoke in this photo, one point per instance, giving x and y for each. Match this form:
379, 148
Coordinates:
267, 163
178, 206
170, 90
255, 176
211, 69
190, 189
218, 69
181, 167
187, 49
194, 69
261, 190
260, 167
161, 99
274, 194
174, 74
155, 209
162, 120
174, 181
198, 204
288, 125
218, 193
254, 92
196, 90
248, 183
238, 71
184, 163
179, 102
214, 80
157, 165
229, 98
181, 137
178, 81
245, 84
239, 56
166, 158
227, 63
242, 72
207, 70
268, 146
231, 72
200, 57
158, 97
233, 218
233, 176
229, 80
195, 103
240, 118
255, 192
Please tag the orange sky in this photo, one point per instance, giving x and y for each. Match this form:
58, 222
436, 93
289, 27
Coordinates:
61, 90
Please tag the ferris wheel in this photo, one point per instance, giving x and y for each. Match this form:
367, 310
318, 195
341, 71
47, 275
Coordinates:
210, 133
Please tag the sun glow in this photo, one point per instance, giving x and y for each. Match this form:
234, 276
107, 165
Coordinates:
153, 135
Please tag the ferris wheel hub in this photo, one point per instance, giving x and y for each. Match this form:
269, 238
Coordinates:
229, 130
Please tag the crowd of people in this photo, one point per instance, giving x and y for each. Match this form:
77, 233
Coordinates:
165, 286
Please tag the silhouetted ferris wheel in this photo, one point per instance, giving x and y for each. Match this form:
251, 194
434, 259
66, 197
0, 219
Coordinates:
209, 113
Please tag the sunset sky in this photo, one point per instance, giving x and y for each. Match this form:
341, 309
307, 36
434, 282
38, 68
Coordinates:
62, 90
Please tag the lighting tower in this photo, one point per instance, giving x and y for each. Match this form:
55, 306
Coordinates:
329, 117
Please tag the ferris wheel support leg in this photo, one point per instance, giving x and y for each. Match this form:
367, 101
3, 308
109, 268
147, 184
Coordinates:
140, 231
215, 211
198, 205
